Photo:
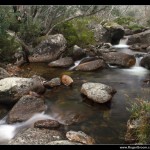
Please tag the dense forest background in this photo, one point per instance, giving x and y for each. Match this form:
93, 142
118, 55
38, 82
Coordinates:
29, 25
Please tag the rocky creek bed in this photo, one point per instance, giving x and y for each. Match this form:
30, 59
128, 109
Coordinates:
106, 123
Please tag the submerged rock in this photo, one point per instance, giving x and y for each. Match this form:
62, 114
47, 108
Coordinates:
62, 62
80, 137
26, 107
97, 92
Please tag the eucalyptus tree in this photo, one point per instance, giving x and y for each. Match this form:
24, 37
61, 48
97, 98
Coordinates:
49, 16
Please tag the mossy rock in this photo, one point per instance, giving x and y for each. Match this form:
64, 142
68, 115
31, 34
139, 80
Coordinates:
113, 25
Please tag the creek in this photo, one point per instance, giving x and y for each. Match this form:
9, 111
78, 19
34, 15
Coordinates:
106, 123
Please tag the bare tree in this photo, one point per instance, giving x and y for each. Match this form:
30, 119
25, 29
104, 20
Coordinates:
51, 15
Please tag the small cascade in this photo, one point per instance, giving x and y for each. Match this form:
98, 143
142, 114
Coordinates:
76, 63
8, 131
122, 43
136, 69
138, 59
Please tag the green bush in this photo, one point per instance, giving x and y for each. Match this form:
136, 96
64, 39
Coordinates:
130, 22
124, 20
76, 32
135, 27
29, 31
85, 36
8, 45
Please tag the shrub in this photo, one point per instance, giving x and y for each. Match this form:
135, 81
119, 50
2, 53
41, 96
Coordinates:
29, 31
8, 45
124, 20
135, 27
140, 110
76, 32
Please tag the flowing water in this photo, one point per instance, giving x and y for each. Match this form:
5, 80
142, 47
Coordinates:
106, 123
122, 43
76, 63
7, 132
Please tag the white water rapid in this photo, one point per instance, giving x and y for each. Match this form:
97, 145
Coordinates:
76, 63
136, 69
8, 131
122, 43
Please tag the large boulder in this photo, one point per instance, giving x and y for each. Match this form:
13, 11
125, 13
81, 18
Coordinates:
119, 59
98, 31
15, 87
78, 53
3, 73
62, 62
91, 65
108, 33
114, 32
145, 61
50, 49
36, 136
97, 92
25, 108
141, 38
80, 137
